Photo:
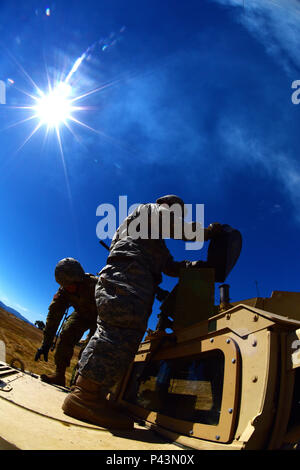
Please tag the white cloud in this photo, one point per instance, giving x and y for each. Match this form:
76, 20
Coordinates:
14, 305
276, 24
244, 148
19, 307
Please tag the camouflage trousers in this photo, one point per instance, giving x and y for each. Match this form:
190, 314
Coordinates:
74, 328
124, 299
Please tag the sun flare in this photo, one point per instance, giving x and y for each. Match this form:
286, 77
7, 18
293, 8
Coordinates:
55, 107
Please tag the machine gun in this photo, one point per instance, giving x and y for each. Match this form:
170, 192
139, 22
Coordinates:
192, 299
180, 307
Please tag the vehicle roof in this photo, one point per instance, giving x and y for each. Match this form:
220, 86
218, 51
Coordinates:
32, 419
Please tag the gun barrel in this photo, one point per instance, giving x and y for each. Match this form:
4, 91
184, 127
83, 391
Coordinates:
104, 244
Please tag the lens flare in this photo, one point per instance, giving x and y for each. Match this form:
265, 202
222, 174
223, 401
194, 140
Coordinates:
55, 107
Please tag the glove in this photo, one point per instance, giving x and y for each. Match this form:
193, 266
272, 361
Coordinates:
42, 350
213, 230
197, 264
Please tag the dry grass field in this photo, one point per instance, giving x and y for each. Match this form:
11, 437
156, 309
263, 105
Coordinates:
22, 341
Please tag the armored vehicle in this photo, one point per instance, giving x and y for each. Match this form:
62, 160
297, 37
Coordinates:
209, 377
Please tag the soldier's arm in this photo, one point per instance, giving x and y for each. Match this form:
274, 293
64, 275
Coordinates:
172, 268
56, 311
173, 225
186, 231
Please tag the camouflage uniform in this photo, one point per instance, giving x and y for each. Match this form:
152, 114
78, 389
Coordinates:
82, 319
124, 297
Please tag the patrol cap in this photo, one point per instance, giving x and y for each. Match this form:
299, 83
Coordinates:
170, 199
68, 271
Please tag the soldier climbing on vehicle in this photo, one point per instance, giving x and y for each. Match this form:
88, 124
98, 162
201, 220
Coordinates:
124, 296
77, 290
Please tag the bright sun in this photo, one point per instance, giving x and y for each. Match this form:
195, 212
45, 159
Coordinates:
55, 107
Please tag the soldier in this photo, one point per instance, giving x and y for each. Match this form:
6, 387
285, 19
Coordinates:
77, 290
124, 296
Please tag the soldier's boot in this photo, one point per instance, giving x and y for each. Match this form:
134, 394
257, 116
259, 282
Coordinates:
58, 378
86, 402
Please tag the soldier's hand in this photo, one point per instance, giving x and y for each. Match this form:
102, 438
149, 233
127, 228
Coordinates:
43, 350
213, 230
197, 264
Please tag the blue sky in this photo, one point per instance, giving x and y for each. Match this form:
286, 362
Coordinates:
198, 104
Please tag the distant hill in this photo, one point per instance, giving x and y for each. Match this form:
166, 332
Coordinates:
22, 340
14, 312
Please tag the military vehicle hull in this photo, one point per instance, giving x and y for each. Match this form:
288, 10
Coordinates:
32, 419
231, 381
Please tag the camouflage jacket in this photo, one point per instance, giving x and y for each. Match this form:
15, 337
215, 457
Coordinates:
151, 252
83, 302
